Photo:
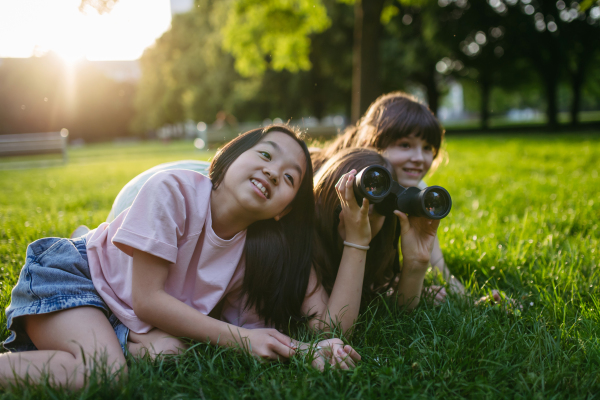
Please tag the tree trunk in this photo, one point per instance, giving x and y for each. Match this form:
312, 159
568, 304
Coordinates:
365, 57
317, 96
433, 94
551, 97
551, 73
577, 79
576, 83
486, 87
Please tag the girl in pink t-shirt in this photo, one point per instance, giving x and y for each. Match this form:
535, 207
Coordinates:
161, 267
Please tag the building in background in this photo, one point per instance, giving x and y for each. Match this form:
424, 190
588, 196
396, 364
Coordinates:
181, 6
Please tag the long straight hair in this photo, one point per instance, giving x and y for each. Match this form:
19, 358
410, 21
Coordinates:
391, 117
382, 257
277, 252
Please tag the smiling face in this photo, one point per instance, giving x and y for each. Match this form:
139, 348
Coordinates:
265, 179
411, 157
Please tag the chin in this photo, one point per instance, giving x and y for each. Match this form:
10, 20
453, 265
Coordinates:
409, 182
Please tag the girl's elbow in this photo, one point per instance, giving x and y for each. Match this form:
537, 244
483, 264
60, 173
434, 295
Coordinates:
141, 307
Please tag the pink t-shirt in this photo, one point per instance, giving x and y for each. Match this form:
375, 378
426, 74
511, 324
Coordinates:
170, 218
234, 309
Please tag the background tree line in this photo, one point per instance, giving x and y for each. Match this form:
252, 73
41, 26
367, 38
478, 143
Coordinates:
288, 59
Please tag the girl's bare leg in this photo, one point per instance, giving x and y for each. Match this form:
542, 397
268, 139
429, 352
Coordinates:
153, 343
69, 343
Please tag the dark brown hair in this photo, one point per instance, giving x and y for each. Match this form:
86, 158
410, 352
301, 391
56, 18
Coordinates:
382, 257
389, 118
277, 252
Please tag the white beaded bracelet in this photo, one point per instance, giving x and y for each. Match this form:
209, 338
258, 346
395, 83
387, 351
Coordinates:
356, 246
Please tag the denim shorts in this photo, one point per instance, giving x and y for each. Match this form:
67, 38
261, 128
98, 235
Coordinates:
55, 277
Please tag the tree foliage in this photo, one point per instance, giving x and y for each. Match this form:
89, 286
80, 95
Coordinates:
290, 58
273, 34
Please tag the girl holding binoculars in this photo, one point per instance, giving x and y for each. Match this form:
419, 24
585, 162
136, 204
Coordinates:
407, 134
355, 256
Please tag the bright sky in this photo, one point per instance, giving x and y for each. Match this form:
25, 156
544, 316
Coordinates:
29, 27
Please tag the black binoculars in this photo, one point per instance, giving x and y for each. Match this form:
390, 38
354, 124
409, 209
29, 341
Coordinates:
375, 183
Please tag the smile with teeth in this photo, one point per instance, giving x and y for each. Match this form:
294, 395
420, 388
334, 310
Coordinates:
412, 170
260, 187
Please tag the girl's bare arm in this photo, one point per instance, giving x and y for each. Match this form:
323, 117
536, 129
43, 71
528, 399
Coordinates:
341, 308
158, 308
418, 235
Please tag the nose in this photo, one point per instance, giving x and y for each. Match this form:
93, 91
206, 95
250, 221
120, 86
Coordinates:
273, 177
417, 155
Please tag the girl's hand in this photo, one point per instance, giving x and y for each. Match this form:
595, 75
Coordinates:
336, 354
417, 238
435, 292
355, 219
266, 344
501, 298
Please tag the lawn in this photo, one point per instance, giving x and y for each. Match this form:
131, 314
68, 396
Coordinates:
525, 220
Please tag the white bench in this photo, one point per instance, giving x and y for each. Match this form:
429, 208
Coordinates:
25, 144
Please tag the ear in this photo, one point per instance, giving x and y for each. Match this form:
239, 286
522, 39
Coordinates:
283, 213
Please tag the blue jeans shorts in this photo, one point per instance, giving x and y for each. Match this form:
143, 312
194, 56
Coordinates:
55, 277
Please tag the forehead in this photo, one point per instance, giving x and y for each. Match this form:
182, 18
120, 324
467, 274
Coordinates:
287, 147
414, 136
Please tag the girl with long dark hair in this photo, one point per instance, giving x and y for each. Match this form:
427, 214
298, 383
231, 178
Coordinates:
356, 255
162, 266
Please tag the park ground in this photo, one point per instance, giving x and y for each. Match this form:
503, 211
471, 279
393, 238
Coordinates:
525, 220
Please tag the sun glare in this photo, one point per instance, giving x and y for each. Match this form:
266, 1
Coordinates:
33, 27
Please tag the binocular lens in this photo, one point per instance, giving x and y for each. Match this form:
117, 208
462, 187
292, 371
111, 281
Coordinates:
376, 182
436, 203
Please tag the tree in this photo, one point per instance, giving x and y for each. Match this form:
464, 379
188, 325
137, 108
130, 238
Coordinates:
553, 35
186, 74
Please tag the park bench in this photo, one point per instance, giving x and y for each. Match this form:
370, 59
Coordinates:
24, 144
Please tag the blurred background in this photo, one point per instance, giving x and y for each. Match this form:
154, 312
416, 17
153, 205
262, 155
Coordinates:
126, 70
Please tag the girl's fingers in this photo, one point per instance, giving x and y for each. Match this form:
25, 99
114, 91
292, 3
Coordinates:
283, 339
433, 225
496, 296
352, 353
349, 190
404, 223
340, 186
318, 363
346, 358
339, 363
364, 209
439, 299
282, 350
283, 345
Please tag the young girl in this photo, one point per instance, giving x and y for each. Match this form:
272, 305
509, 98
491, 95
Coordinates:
355, 254
161, 267
408, 134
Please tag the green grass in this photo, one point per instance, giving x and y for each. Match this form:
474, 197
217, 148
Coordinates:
525, 220
502, 121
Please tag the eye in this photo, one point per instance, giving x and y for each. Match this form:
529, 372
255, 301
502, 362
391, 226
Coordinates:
404, 145
428, 147
290, 178
265, 155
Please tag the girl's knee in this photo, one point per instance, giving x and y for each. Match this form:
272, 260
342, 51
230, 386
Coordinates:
166, 345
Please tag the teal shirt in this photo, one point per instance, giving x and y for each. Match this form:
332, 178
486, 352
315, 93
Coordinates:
126, 196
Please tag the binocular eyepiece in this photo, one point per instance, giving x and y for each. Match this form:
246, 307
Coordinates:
375, 183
